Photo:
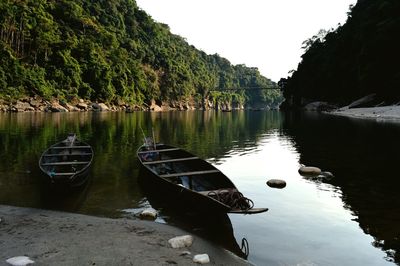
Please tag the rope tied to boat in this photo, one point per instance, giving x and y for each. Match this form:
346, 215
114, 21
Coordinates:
232, 198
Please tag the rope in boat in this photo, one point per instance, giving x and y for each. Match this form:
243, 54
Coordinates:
232, 198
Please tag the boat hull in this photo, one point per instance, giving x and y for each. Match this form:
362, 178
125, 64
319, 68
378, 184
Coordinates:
179, 197
190, 182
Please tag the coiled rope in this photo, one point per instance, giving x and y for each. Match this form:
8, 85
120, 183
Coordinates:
232, 198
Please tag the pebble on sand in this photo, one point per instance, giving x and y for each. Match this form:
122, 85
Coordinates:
19, 261
201, 258
181, 241
184, 253
276, 183
309, 170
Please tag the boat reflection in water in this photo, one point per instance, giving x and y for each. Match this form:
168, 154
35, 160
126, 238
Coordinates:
64, 198
215, 227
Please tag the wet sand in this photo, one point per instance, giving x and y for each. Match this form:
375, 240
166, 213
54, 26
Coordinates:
59, 238
383, 113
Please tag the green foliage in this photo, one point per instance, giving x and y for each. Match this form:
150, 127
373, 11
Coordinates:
108, 51
354, 60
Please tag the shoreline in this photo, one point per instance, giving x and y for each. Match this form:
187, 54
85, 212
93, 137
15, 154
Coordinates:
60, 238
380, 114
38, 104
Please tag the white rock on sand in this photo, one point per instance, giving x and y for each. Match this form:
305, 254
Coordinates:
181, 241
201, 258
148, 213
19, 261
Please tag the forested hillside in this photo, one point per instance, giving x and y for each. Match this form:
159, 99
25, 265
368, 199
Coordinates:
358, 58
110, 50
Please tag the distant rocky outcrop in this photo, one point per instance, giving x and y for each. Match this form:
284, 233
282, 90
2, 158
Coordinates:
38, 104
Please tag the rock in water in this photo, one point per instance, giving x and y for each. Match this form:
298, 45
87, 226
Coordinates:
276, 183
201, 258
327, 174
181, 241
309, 170
19, 261
148, 213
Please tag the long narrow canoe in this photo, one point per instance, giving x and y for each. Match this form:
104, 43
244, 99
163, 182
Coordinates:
194, 182
67, 162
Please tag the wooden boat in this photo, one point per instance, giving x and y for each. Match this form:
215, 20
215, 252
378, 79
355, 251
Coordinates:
192, 182
67, 162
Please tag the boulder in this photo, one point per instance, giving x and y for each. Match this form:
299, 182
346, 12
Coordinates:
82, 105
309, 170
181, 241
319, 106
362, 102
155, 107
35, 102
57, 108
100, 107
70, 108
201, 258
276, 183
22, 107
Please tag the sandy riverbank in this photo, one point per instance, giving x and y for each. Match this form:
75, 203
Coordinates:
58, 238
383, 113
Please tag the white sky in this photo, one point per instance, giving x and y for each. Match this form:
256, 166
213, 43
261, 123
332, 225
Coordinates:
267, 34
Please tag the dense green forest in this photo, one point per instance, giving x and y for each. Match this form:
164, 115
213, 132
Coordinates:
111, 51
356, 59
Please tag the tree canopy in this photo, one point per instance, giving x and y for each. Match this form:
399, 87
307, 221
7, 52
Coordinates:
109, 50
356, 59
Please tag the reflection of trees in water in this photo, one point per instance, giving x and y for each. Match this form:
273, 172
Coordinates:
363, 155
115, 137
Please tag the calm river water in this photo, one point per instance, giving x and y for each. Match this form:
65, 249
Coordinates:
352, 219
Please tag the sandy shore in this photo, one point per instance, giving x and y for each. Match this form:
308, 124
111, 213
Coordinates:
58, 238
383, 113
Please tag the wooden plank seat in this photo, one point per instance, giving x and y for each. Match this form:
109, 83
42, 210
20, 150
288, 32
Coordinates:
70, 147
190, 173
162, 150
68, 154
63, 163
221, 190
171, 160
62, 174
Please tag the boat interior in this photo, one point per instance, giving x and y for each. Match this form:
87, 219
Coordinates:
65, 158
183, 168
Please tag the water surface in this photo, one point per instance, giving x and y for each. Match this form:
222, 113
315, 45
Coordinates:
351, 219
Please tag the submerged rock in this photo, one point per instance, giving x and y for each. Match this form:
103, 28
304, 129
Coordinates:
201, 258
325, 176
276, 183
309, 170
181, 241
19, 261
